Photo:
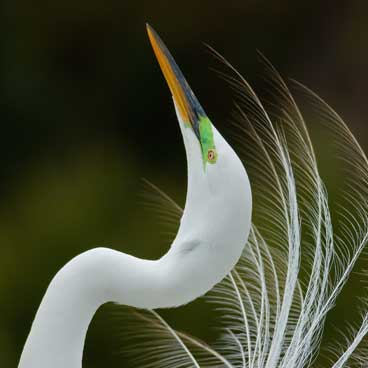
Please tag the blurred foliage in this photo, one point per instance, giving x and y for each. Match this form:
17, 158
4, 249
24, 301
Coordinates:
85, 114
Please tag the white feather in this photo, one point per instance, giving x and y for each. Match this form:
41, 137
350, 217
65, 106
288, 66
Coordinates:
275, 301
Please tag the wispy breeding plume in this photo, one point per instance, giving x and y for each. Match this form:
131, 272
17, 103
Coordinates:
299, 255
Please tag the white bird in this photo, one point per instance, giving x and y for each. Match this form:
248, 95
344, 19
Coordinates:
213, 231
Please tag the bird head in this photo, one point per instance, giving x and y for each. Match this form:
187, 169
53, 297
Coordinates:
193, 120
209, 156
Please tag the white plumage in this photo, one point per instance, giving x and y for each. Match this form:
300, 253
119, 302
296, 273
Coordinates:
274, 303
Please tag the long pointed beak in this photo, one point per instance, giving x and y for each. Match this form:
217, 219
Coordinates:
189, 108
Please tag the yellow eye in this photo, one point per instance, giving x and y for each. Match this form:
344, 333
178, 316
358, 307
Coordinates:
211, 155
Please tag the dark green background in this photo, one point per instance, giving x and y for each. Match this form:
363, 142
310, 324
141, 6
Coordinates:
85, 114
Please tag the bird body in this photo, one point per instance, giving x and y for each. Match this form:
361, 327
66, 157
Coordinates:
211, 237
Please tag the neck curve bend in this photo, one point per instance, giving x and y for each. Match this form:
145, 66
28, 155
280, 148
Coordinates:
73, 297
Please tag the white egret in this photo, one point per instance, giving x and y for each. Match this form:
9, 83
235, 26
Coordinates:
213, 231
275, 301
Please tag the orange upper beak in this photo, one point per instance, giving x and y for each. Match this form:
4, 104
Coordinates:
186, 102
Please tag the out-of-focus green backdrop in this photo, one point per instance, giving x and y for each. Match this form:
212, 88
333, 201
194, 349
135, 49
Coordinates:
85, 114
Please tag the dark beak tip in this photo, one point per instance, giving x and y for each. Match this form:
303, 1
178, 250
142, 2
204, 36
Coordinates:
152, 31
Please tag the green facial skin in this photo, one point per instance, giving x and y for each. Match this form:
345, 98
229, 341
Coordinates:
209, 154
208, 148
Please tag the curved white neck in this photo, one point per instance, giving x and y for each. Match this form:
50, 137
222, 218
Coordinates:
211, 237
101, 275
